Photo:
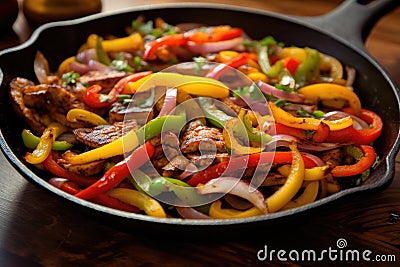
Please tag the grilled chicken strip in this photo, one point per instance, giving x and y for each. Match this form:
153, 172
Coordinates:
30, 116
198, 137
40, 103
86, 169
120, 112
106, 79
104, 134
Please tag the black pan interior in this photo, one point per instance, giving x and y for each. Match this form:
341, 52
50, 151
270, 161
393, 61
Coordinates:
60, 40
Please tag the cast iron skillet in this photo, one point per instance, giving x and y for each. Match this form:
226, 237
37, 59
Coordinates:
340, 33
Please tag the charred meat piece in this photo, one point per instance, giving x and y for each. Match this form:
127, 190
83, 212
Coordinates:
229, 107
43, 102
120, 112
207, 159
43, 95
86, 169
178, 163
104, 134
30, 116
198, 137
106, 79
333, 156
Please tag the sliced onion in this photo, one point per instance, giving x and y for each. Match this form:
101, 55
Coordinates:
79, 67
317, 160
280, 140
261, 108
87, 55
284, 140
211, 47
57, 181
191, 213
358, 123
310, 146
96, 65
237, 187
169, 102
41, 67
351, 76
189, 170
272, 90
294, 107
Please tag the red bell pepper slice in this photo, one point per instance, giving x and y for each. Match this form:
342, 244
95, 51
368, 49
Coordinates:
360, 166
359, 137
72, 188
118, 172
235, 62
213, 34
295, 132
52, 166
120, 85
169, 40
346, 135
234, 164
111, 202
321, 133
92, 97
291, 64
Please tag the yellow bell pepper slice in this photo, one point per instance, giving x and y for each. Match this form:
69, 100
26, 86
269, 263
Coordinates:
43, 149
232, 143
78, 114
217, 212
310, 174
64, 66
330, 91
292, 185
333, 187
194, 85
311, 124
117, 147
331, 64
294, 52
138, 199
133, 42
308, 196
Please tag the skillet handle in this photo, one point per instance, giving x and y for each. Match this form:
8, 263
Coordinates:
353, 20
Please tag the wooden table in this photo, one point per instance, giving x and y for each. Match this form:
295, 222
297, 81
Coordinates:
38, 229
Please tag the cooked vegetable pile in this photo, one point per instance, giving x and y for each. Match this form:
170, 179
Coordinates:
196, 122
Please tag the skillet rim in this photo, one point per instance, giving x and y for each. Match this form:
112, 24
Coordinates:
27, 173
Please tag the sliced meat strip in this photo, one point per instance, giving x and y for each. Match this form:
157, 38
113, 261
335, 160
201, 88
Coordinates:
104, 134
86, 169
201, 160
30, 116
106, 79
120, 112
202, 137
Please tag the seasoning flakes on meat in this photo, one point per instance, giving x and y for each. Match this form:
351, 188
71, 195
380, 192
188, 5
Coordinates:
106, 79
199, 137
104, 134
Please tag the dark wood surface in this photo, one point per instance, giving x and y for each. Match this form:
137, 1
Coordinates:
39, 229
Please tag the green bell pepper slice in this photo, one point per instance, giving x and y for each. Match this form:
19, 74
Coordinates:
213, 114
308, 70
160, 124
184, 192
31, 141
